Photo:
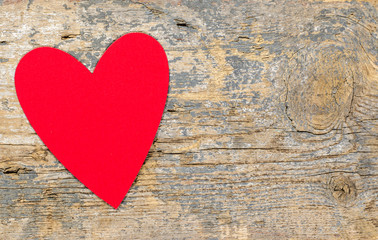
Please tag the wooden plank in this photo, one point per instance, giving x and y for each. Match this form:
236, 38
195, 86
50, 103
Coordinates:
269, 132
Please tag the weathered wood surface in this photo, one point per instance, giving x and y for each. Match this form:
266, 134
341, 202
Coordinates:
269, 132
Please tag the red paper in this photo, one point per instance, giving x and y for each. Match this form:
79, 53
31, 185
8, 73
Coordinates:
100, 126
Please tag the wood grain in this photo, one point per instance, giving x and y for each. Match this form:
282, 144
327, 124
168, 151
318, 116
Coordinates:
269, 132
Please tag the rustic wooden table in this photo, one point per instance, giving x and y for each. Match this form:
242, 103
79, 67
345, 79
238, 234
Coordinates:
269, 132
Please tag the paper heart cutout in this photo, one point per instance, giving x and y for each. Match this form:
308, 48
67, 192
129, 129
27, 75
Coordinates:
100, 126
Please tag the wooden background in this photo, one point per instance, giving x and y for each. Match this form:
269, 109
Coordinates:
269, 132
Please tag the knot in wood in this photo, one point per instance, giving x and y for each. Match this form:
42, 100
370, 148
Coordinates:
320, 88
342, 189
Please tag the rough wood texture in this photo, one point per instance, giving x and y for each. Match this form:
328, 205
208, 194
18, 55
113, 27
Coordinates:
269, 132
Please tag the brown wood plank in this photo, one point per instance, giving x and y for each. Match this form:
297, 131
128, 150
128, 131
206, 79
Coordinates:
269, 132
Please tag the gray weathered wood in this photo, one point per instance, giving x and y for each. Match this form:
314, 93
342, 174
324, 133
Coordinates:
269, 132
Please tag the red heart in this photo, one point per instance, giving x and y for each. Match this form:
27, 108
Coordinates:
100, 126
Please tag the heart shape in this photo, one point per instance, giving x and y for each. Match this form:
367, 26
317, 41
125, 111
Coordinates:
100, 126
